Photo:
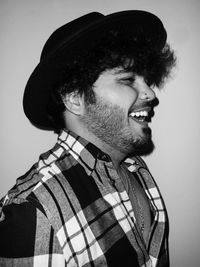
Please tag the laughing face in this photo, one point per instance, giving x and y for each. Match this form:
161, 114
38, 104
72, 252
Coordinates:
121, 114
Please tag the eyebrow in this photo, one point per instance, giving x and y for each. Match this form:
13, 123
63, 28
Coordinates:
124, 74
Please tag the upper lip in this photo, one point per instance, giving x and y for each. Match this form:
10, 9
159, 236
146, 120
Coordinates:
147, 106
148, 109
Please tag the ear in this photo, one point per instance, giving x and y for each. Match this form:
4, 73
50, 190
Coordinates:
74, 103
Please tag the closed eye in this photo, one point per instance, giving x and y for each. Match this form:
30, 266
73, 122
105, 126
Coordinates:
127, 80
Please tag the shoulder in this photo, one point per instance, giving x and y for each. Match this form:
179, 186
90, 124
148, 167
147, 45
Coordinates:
50, 164
35, 189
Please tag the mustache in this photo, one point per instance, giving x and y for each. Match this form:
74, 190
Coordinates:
154, 102
147, 104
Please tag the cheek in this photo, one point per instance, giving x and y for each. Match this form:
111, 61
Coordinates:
123, 98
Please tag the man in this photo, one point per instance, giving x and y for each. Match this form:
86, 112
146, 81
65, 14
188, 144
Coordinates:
90, 200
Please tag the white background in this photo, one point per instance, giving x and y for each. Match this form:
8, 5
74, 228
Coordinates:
24, 27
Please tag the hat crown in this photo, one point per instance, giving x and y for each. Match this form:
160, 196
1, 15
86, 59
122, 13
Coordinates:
68, 31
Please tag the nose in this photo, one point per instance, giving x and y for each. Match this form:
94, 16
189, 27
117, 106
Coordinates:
146, 92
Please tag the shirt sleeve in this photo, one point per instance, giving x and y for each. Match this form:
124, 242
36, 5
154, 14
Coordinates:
27, 238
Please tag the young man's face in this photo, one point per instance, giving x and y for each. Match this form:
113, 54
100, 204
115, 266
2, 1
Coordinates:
121, 113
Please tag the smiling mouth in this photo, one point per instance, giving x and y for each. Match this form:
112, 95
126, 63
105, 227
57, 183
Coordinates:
142, 116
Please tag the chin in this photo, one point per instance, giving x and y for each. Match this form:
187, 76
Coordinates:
143, 146
145, 149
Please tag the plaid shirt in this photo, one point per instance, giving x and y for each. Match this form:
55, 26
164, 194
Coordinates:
71, 209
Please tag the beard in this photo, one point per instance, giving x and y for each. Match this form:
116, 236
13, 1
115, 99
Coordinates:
108, 122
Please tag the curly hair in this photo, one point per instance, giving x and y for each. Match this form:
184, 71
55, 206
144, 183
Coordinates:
134, 54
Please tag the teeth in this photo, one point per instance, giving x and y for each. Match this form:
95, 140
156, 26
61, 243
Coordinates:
142, 113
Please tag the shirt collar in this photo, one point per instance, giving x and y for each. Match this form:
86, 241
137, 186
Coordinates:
87, 153
82, 150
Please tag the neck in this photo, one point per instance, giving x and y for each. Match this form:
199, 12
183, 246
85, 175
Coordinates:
116, 156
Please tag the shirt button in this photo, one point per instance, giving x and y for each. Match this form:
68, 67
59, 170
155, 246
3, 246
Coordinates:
103, 157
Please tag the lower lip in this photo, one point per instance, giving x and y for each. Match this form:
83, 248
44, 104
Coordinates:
143, 123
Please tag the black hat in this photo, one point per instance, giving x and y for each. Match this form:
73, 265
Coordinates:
70, 40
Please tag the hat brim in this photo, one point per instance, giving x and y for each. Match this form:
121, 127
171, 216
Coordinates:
46, 73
